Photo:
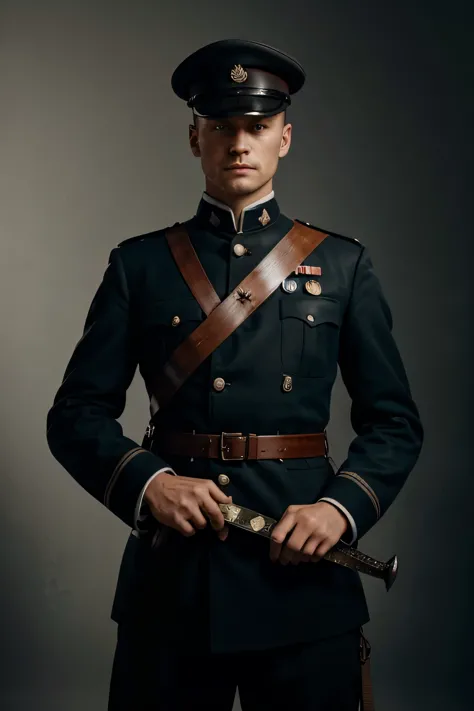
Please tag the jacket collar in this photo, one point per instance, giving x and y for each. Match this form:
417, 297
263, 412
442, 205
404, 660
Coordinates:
254, 217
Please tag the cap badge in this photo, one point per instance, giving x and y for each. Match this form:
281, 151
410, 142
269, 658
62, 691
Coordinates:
264, 217
238, 74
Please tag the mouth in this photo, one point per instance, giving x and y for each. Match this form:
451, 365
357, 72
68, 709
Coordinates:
240, 168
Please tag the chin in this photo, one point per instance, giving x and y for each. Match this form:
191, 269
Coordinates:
240, 185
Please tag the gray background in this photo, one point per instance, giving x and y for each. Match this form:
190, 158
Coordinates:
94, 150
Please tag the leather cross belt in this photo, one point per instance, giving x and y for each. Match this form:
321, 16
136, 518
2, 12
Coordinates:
231, 446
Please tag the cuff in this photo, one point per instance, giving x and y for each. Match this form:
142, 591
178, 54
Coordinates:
351, 490
126, 483
142, 511
349, 518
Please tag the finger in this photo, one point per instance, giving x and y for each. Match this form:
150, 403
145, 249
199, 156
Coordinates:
292, 549
311, 544
183, 526
320, 551
324, 548
279, 534
300, 558
216, 493
216, 517
223, 533
287, 556
196, 517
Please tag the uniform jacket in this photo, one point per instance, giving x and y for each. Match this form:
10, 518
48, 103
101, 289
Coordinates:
230, 592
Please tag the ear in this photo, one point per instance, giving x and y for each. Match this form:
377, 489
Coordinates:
285, 140
194, 140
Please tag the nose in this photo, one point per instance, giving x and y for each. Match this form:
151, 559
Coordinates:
239, 145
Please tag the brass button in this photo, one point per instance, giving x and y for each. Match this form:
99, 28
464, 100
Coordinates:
219, 384
310, 317
287, 383
239, 250
175, 321
223, 479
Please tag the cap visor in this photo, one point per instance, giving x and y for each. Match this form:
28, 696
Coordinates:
220, 107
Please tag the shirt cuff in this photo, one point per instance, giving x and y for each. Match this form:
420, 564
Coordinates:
142, 512
346, 514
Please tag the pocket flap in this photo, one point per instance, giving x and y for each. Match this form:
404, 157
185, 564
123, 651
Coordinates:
320, 309
185, 309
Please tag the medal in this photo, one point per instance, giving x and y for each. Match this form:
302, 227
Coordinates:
313, 287
289, 285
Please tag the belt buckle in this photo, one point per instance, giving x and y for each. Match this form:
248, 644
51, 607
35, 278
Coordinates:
223, 447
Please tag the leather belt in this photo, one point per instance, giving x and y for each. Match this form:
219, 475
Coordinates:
233, 446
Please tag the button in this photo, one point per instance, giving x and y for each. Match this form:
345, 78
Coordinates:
310, 317
223, 479
219, 384
176, 321
287, 383
239, 250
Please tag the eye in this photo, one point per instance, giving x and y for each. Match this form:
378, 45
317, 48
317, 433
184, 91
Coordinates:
260, 124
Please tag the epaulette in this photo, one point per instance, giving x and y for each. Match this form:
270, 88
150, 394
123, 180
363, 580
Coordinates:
333, 234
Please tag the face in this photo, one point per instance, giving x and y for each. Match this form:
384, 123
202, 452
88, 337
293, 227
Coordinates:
256, 141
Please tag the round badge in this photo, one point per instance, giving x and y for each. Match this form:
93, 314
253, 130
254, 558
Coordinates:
289, 285
313, 287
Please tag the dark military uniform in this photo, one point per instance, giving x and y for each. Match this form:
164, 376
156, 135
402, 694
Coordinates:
274, 374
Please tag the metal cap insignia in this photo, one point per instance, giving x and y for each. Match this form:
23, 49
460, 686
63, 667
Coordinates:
238, 74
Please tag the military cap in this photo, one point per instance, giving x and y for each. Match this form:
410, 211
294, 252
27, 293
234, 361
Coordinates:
235, 77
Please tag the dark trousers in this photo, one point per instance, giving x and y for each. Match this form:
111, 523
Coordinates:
149, 675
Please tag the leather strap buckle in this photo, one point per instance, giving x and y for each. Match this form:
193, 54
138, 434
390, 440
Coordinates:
225, 447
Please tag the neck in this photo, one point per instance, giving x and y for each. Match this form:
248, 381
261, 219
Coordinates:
238, 202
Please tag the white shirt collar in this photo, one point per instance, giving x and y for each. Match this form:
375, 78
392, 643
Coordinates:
223, 206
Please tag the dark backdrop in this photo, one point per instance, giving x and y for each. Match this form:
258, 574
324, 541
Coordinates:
94, 150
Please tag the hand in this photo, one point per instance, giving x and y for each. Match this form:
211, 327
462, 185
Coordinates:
184, 502
316, 529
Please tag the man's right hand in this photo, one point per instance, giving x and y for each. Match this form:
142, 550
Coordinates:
181, 501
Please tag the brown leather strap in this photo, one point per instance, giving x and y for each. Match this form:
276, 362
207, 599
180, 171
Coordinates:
252, 291
191, 268
367, 697
237, 446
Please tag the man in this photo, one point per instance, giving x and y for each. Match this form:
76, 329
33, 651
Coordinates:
202, 609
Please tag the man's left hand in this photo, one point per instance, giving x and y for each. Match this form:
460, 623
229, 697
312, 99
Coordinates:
316, 529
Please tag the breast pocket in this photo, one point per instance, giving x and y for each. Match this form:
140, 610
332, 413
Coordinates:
166, 324
309, 335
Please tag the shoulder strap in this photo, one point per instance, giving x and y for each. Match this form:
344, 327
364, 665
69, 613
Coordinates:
191, 268
227, 315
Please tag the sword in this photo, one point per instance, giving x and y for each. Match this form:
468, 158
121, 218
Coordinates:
340, 553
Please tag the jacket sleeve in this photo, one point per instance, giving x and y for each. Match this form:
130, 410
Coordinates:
83, 433
386, 421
